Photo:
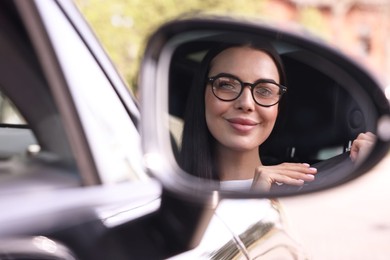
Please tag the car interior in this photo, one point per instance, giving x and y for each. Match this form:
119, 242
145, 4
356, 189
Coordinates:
32, 140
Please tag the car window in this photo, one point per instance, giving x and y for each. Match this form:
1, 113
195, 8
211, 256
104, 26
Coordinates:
42, 106
35, 154
112, 135
8, 113
15, 136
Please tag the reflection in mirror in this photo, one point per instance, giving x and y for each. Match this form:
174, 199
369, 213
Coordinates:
261, 113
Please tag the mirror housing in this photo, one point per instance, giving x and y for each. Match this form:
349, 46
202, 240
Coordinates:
155, 92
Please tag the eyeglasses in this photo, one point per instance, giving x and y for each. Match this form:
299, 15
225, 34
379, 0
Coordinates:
265, 92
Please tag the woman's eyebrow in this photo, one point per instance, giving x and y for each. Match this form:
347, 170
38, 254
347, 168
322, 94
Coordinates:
266, 79
236, 77
225, 74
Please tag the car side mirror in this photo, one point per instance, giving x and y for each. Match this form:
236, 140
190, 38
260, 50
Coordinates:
330, 100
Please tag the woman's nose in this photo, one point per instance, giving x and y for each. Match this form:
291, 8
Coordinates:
245, 100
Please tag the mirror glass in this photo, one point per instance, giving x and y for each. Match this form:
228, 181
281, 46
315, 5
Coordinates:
251, 112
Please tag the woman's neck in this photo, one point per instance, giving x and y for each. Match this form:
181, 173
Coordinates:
235, 165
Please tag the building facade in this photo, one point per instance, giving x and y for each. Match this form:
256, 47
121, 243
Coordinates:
360, 28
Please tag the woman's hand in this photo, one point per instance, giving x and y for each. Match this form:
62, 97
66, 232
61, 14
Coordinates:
288, 173
361, 146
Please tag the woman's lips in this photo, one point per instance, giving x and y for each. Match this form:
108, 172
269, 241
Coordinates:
242, 124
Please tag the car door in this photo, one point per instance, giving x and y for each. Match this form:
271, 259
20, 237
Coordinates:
71, 169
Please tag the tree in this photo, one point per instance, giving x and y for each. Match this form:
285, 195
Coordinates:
124, 25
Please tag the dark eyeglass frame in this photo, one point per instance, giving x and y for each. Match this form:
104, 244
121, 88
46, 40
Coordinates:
282, 89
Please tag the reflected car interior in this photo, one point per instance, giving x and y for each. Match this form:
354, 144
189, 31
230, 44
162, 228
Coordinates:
318, 118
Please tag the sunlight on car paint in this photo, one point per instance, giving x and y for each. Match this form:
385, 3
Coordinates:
387, 92
118, 215
259, 214
384, 128
153, 161
45, 244
215, 198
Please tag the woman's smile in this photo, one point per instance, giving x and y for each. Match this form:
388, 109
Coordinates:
242, 124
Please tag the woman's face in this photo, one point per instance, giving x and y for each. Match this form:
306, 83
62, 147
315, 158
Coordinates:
241, 124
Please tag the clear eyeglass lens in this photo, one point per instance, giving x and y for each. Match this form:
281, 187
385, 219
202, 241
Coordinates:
227, 88
266, 93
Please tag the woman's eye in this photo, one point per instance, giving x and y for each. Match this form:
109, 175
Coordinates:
264, 92
224, 85
227, 85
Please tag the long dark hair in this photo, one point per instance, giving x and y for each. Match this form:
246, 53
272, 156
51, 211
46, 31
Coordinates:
197, 155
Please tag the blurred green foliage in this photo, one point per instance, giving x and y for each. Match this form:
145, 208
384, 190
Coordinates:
124, 25
312, 19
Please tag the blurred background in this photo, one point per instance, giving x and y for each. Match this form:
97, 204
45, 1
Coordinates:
360, 28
